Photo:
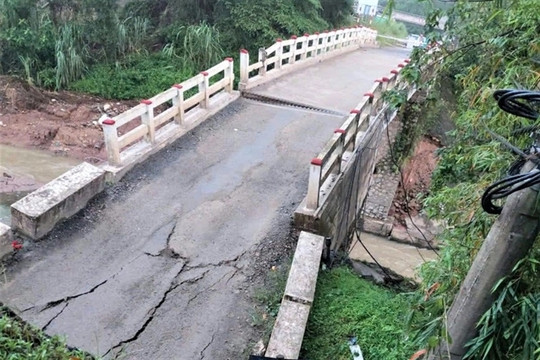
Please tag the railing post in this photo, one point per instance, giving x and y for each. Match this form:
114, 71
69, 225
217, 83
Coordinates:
178, 101
394, 81
293, 49
111, 141
148, 119
340, 148
305, 46
369, 107
356, 113
314, 185
262, 58
279, 55
316, 45
339, 39
376, 106
229, 74
325, 38
384, 84
244, 66
203, 87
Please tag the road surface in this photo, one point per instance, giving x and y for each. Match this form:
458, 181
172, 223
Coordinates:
162, 265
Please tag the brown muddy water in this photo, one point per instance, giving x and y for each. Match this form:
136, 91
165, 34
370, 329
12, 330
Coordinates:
24, 170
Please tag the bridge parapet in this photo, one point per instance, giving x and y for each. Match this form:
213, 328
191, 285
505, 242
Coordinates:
161, 118
340, 174
286, 55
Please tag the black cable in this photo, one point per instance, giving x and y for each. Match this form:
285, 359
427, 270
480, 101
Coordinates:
349, 195
522, 103
507, 186
519, 102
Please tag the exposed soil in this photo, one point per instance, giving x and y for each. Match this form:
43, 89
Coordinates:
63, 123
416, 179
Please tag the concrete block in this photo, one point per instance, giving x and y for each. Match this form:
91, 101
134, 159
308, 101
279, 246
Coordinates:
305, 268
5, 240
36, 214
377, 227
288, 332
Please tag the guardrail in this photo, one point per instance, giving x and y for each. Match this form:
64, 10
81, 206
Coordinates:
300, 49
328, 165
148, 120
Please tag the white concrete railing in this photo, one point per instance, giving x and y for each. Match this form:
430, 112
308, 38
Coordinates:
325, 168
298, 49
146, 123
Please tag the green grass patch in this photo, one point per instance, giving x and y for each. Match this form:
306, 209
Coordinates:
19, 341
345, 306
136, 77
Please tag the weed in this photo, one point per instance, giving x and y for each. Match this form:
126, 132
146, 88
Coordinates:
19, 341
269, 299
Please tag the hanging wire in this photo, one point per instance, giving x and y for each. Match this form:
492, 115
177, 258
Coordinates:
522, 103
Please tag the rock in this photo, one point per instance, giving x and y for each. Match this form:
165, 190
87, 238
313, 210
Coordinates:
107, 107
259, 348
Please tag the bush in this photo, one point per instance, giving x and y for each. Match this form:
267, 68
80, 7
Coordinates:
136, 77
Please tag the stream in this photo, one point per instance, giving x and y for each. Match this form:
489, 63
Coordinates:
23, 170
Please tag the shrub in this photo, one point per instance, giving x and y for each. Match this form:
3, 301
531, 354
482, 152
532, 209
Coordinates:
136, 77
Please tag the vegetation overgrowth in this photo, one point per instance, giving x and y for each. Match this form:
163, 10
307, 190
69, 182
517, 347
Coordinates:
486, 46
347, 307
20, 341
133, 50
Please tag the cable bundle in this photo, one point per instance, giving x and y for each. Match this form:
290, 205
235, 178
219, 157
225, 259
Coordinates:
522, 103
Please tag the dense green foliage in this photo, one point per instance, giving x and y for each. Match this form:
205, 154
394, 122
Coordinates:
56, 43
487, 46
19, 341
347, 306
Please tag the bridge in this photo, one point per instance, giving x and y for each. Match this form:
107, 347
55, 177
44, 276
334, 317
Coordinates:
160, 264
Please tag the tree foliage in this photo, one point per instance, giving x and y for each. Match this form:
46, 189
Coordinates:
486, 46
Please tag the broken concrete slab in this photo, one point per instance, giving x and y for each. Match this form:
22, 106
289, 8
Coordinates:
401, 258
288, 332
419, 231
305, 268
377, 226
36, 214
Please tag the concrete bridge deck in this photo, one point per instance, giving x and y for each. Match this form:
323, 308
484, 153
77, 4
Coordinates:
161, 265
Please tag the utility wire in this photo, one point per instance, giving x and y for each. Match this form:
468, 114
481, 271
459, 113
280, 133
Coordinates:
522, 103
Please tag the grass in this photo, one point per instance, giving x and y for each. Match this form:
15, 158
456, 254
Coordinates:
19, 341
345, 306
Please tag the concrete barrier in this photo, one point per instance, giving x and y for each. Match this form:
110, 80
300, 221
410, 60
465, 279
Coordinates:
288, 333
5, 240
36, 214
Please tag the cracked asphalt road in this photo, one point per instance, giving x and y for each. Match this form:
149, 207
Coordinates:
161, 265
